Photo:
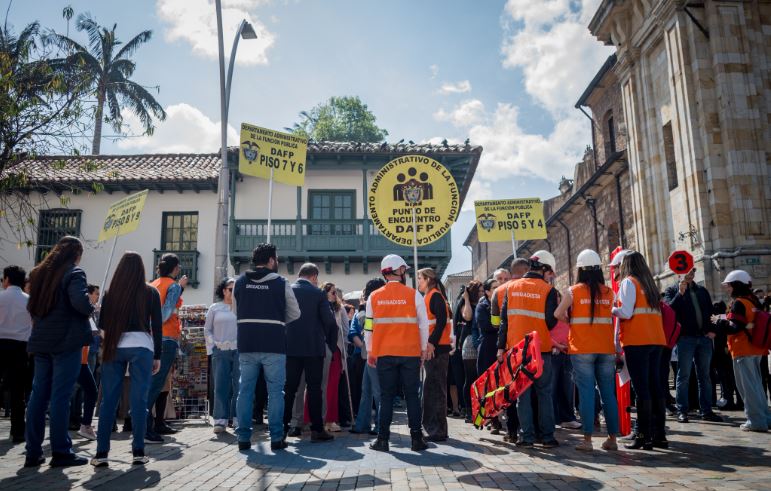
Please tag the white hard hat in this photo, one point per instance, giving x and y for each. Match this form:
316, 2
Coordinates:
391, 263
738, 275
544, 257
588, 258
616, 262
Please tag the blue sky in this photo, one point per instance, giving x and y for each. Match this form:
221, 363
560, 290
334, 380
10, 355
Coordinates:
504, 73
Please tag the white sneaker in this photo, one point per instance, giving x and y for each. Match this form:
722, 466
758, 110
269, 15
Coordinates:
334, 427
87, 432
140, 460
219, 429
572, 425
100, 461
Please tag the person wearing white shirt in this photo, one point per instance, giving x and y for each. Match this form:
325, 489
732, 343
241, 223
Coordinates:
15, 328
221, 332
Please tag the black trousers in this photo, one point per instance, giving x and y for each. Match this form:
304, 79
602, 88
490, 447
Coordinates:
435, 396
14, 370
394, 373
644, 365
356, 364
313, 367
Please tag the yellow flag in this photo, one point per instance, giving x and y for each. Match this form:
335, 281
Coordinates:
123, 216
263, 150
498, 219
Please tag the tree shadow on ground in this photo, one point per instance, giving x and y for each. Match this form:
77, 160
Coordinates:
531, 480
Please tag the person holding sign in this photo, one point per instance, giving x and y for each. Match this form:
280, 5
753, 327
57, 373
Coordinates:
396, 330
435, 383
529, 305
642, 338
693, 306
587, 307
60, 308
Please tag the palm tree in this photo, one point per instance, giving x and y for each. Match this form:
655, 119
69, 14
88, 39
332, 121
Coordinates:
109, 74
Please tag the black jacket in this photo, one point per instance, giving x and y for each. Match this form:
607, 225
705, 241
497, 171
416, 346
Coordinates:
685, 311
316, 326
65, 328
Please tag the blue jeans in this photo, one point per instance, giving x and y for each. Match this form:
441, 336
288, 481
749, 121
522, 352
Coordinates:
226, 374
140, 365
370, 391
599, 369
274, 365
168, 356
55, 376
543, 389
750, 386
694, 350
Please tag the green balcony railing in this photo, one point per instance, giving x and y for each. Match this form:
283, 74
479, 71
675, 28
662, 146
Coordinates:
347, 238
188, 261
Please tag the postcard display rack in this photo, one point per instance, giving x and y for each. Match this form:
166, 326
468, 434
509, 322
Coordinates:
190, 384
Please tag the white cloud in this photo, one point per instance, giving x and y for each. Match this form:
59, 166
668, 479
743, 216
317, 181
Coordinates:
185, 130
195, 22
461, 87
553, 47
434, 71
467, 113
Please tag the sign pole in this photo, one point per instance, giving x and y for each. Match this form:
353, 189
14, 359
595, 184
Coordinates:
270, 201
514, 245
107, 271
414, 249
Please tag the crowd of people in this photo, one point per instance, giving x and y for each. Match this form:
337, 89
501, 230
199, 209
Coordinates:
320, 364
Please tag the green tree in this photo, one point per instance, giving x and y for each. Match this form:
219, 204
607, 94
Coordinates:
340, 119
109, 74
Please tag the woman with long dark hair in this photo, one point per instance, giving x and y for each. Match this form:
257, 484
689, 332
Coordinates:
435, 383
221, 332
131, 321
591, 346
746, 357
488, 345
642, 339
469, 341
336, 365
60, 308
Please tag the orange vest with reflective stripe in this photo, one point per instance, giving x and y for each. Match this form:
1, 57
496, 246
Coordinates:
172, 328
526, 311
739, 344
587, 335
646, 326
445, 339
394, 321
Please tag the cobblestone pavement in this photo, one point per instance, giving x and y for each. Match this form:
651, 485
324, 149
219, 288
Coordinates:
702, 456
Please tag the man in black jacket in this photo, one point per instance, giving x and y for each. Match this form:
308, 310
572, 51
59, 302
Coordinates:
305, 350
693, 306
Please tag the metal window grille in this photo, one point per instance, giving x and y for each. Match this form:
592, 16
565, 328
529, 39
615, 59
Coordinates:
53, 225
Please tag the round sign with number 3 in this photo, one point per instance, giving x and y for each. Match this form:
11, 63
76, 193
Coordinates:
681, 262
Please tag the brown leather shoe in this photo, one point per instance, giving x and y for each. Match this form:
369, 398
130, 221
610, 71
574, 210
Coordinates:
321, 436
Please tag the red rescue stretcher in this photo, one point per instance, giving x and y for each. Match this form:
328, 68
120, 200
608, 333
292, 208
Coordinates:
502, 383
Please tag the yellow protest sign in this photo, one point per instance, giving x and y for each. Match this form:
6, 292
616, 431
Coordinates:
123, 216
497, 219
419, 183
263, 150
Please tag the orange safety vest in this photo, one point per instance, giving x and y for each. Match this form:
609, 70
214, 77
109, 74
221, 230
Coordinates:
526, 311
395, 329
646, 326
172, 328
445, 339
587, 335
739, 343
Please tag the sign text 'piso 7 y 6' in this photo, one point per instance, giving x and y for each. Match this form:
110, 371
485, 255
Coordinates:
506, 219
123, 216
413, 183
263, 150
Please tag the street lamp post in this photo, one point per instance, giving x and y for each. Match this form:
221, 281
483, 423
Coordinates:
246, 31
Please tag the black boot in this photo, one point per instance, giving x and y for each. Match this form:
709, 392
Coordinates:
643, 435
380, 445
659, 424
418, 442
640, 442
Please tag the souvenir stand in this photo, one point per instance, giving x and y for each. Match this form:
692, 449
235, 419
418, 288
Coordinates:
190, 383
